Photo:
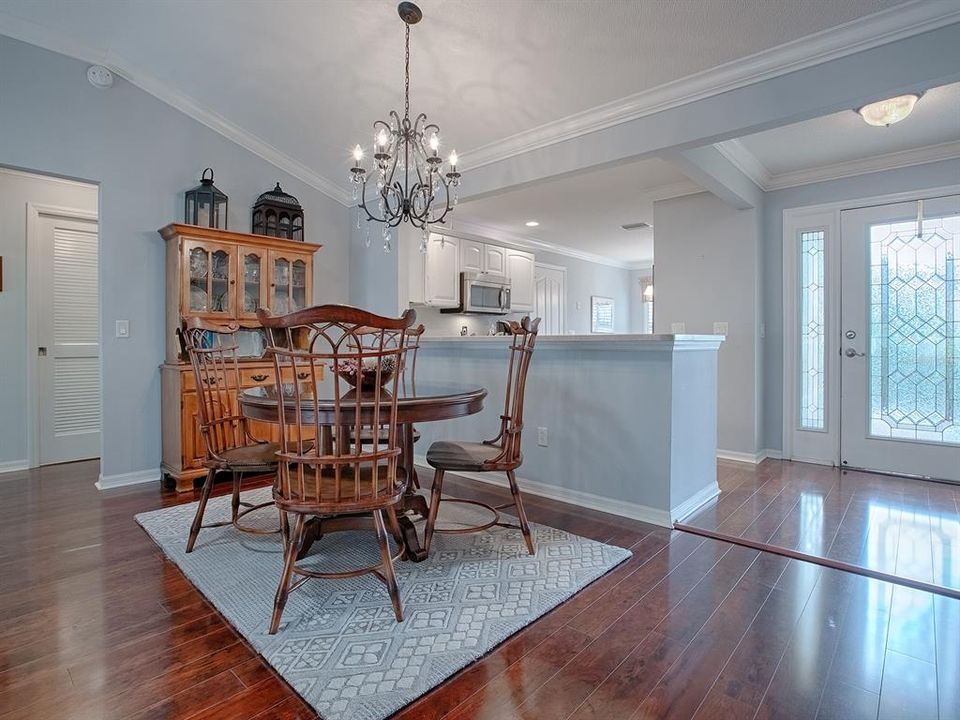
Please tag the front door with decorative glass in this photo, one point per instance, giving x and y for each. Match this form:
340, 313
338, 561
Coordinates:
900, 338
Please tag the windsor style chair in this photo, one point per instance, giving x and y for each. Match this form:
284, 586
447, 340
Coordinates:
228, 444
501, 454
408, 381
340, 483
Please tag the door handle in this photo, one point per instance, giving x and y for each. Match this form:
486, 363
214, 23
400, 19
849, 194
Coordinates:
851, 353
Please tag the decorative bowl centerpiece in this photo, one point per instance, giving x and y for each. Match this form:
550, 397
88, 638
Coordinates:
366, 378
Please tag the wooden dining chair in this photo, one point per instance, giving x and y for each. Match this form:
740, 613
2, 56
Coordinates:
502, 454
228, 443
408, 384
327, 481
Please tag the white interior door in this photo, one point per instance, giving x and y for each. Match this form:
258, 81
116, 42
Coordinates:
68, 339
550, 299
900, 335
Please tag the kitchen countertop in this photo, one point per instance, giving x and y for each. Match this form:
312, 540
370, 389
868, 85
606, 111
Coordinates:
620, 341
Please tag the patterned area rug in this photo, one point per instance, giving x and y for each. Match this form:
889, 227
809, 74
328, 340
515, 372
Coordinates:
339, 645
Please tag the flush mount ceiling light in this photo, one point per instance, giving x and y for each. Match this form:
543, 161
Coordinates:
411, 183
887, 112
531, 223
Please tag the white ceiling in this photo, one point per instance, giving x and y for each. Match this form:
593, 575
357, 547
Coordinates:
844, 137
307, 79
583, 212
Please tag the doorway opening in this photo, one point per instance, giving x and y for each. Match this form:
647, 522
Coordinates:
50, 241
872, 336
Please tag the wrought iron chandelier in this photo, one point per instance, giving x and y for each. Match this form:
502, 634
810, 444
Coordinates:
412, 185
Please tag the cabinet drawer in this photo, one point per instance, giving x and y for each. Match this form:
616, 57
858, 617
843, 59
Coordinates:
251, 377
189, 381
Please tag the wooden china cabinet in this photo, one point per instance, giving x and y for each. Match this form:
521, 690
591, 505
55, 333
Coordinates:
226, 276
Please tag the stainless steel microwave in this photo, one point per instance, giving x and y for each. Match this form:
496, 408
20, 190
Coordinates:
484, 293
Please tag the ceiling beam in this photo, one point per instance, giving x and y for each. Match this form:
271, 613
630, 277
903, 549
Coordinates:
922, 61
709, 169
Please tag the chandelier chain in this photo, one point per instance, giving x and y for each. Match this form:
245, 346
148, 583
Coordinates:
406, 76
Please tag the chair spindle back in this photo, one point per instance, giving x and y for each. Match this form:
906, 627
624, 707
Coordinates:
524, 337
213, 352
351, 343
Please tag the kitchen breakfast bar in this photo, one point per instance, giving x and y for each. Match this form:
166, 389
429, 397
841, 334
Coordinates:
625, 424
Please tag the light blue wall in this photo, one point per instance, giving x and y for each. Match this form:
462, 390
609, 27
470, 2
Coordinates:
143, 154
372, 272
910, 179
707, 264
586, 278
587, 394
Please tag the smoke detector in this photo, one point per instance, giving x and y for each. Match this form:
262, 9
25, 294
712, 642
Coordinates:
100, 76
636, 226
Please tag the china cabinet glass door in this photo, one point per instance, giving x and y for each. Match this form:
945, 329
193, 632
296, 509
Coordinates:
252, 268
290, 283
210, 287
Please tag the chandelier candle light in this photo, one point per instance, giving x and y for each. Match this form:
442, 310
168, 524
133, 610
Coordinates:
411, 183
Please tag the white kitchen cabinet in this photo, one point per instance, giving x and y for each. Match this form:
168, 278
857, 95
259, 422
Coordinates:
495, 259
441, 272
472, 256
520, 270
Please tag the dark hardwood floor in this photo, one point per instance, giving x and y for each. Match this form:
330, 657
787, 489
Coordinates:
899, 526
94, 623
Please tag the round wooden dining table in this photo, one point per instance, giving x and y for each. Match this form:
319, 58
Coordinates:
416, 403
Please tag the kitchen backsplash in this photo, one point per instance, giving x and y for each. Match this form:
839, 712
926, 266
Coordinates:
444, 324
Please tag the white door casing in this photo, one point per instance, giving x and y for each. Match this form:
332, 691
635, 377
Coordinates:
900, 325
65, 341
550, 298
819, 441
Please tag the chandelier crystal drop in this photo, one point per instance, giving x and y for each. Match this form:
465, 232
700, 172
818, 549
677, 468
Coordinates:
413, 184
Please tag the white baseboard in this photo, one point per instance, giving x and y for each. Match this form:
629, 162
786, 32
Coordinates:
14, 465
108, 482
752, 458
622, 508
694, 503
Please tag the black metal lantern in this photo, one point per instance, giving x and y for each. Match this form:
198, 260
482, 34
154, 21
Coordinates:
278, 214
205, 205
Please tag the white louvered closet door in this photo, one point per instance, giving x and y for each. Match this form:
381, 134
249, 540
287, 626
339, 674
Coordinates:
68, 355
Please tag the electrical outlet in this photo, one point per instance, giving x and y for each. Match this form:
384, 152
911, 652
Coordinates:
123, 328
542, 436
678, 328
720, 328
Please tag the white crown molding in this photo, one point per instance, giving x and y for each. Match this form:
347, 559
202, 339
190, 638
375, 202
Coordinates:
40, 36
747, 162
878, 163
886, 26
868, 32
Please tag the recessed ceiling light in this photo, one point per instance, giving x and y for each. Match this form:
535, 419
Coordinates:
887, 112
531, 223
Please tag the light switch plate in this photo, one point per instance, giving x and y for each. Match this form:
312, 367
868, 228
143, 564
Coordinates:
719, 328
123, 328
542, 436
678, 328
